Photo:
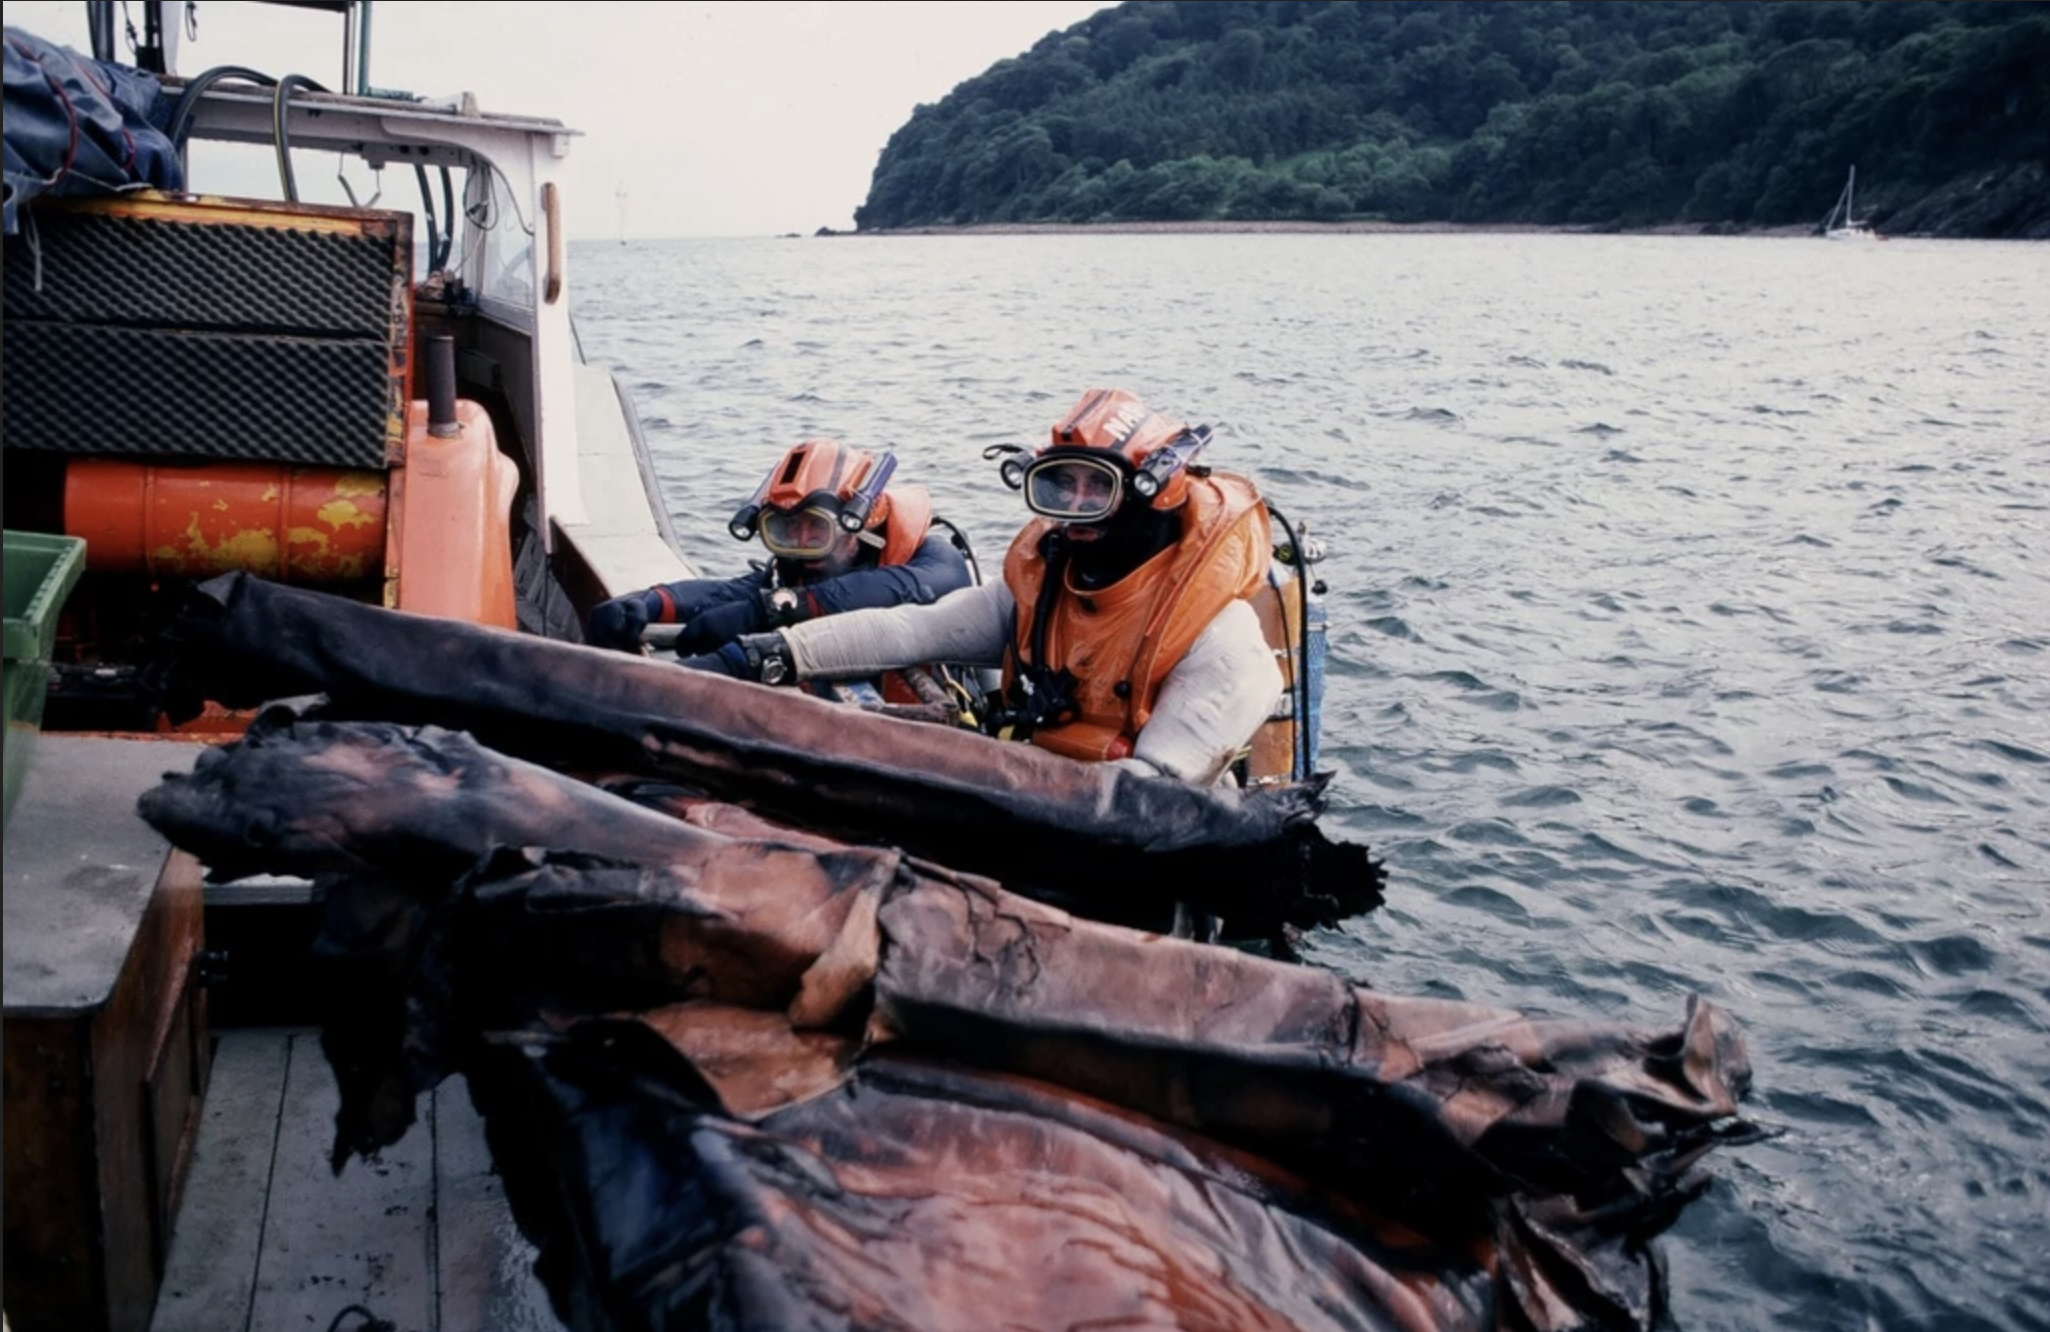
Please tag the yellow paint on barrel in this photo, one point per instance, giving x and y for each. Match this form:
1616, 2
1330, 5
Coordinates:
306, 525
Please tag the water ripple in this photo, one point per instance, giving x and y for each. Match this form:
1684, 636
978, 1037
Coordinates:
1687, 606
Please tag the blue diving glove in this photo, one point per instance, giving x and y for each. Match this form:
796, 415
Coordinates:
769, 608
617, 623
706, 631
728, 660
764, 658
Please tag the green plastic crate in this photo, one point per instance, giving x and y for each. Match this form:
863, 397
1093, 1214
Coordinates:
40, 572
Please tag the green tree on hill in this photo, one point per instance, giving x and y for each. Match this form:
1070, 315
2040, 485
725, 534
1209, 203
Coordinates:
1588, 112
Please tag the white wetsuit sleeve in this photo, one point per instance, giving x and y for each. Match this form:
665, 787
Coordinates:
1213, 701
969, 626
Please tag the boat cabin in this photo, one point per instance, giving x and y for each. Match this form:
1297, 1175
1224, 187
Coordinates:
197, 383
385, 401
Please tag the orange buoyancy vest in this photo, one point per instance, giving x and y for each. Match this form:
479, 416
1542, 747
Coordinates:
1120, 642
905, 521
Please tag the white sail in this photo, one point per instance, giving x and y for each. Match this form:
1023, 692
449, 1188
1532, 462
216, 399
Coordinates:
1842, 222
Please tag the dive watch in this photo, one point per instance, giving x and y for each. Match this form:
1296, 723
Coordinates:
768, 658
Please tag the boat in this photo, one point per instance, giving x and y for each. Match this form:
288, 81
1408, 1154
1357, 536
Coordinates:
195, 383
238, 1093
1842, 224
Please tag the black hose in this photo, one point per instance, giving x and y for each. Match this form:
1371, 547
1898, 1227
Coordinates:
427, 210
440, 243
1301, 683
187, 104
371, 1322
961, 543
1053, 578
281, 136
448, 236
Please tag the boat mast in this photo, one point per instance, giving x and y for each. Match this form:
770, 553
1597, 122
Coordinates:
1851, 199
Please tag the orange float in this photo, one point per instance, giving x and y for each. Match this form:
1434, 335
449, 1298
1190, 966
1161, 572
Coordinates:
301, 525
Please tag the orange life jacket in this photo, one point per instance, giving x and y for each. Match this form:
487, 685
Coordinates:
905, 523
1121, 642
906, 519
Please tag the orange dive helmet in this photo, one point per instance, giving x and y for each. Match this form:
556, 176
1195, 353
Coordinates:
818, 491
1108, 445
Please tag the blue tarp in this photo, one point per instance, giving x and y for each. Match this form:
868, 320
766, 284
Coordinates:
77, 126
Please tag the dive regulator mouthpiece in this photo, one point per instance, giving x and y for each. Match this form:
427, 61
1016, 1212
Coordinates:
855, 509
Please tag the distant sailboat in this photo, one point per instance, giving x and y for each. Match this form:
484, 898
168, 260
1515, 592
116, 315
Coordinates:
620, 194
1842, 222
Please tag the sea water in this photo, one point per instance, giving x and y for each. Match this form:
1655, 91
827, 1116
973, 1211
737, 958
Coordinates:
1690, 634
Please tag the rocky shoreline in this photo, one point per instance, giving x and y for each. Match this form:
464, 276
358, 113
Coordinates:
2007, 204
1270, 228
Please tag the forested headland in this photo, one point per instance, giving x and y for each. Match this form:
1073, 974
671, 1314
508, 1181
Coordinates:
1721, 115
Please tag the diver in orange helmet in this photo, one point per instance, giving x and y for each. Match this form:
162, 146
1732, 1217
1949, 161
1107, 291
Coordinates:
840, 536
1123, 624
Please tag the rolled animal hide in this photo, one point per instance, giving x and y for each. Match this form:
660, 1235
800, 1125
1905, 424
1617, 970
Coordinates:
761, 1080
1094, 838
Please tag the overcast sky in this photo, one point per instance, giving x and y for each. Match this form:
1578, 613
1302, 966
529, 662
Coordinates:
721, 119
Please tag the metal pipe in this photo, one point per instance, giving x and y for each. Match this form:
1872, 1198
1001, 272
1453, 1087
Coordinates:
351, 84
99, 17
441, 387
149, 55
363, 47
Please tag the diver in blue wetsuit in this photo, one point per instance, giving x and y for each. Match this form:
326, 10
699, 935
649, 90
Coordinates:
842, 538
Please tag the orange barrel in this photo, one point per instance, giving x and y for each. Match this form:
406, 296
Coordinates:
304, 525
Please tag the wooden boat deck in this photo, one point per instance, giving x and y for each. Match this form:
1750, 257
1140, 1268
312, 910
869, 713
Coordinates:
268, 1239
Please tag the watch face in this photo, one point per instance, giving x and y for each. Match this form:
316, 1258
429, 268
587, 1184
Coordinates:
773, 671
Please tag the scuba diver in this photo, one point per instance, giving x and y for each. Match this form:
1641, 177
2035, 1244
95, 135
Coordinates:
1123, 624
840, 538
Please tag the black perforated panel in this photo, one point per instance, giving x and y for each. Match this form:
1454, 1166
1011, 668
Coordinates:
314, 402
206, 329
113, 269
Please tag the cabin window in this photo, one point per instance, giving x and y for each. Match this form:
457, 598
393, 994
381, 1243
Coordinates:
504, 224
250, 171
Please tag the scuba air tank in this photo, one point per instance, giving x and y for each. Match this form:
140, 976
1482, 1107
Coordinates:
1296, 624
1316, 645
